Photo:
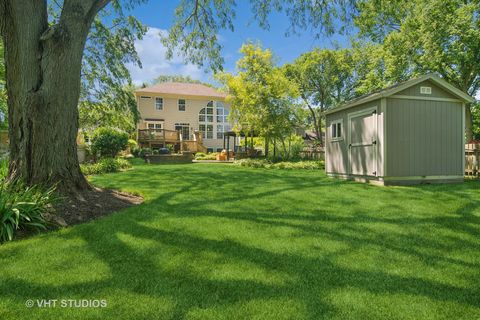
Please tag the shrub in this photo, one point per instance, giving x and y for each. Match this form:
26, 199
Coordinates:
145, 151
164, 150
23, 208
132, 144
171, 148
135, 152
105, 166
286, 165
3, 168
109, 142
203, 156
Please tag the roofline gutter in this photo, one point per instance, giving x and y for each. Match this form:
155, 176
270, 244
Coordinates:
141, 93
441, 82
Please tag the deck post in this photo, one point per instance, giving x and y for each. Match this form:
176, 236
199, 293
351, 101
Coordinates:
228, 147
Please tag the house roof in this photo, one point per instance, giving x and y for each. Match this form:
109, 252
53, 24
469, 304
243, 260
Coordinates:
183, 89
389, 91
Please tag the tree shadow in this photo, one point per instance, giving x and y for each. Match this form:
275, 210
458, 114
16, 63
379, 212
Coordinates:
179, 223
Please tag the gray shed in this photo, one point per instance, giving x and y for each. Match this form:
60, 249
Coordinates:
412, 132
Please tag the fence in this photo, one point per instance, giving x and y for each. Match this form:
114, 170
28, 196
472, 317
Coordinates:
309, 153
472, 160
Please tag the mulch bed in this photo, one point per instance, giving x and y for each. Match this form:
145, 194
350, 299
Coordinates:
90, 205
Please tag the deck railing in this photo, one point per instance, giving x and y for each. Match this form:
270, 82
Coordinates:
158, 135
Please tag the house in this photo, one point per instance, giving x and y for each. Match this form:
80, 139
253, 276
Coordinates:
190, 116
412, 132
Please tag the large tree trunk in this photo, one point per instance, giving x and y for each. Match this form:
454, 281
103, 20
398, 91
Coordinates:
43, 66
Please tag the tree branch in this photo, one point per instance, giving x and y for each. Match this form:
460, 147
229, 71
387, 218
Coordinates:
96, 7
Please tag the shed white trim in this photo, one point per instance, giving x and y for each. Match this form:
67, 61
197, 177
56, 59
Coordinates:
402, 86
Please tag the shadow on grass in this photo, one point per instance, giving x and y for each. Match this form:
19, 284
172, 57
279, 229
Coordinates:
191, 212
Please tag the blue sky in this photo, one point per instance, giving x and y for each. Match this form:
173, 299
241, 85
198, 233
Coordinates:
158, 15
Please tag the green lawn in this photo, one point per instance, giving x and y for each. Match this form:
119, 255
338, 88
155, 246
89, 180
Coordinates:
223, 242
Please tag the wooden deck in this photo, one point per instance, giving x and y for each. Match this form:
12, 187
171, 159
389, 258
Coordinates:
158, 136
161, 137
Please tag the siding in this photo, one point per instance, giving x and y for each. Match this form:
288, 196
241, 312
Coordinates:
424, 138
437, 92
337, 151
171, 115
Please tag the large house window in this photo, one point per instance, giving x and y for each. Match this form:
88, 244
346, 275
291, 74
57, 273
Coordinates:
184, 129
206, 130
158, 103
205, 119
206, 114
222, 113
181, 104
222, 122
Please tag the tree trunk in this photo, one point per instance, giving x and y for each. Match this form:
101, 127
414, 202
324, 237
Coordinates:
468, 123
320, 137
316, 124
266, 146
43, 66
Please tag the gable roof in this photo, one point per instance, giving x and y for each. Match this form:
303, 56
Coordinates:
389, 91
183, 89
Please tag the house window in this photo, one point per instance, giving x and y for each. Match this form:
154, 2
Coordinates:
206, 130
209, 131
155, 125
158, 103
205, 119
336, 129
145, 97
184, 129
181, 104
222, 113
221, 129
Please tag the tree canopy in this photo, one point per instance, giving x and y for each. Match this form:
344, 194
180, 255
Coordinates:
418, 37
261, 97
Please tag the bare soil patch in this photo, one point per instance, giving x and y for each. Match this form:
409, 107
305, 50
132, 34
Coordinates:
90, 205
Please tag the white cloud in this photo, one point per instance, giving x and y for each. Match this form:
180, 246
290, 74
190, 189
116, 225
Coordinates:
152, 54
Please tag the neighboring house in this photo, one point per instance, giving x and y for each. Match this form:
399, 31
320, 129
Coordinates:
412, 132
184, 108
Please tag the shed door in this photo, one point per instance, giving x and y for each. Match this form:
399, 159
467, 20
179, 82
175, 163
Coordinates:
362, 143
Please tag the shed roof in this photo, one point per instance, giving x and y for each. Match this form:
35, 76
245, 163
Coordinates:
402, 86
183, 89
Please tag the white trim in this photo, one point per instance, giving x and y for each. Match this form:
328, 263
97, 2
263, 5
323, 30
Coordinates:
154, 122
407, 84
356, 114
464, 110
338, 175
425, 90
383, 108
407, 178
398, 96
342, 130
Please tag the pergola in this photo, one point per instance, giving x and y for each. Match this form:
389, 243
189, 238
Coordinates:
245, 134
